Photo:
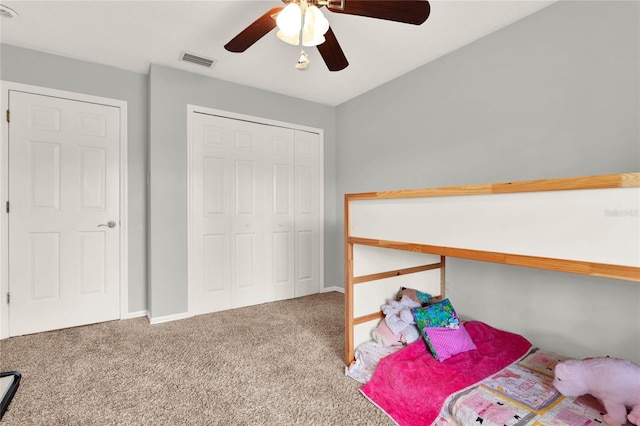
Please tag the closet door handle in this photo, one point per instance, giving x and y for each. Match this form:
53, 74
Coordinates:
110, 224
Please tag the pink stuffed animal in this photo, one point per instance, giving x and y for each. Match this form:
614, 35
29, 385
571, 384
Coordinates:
615, 382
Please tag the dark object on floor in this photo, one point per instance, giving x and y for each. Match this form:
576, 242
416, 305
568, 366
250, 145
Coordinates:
9, 382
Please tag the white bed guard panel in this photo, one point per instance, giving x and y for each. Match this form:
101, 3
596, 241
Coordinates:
370, 293
586, 225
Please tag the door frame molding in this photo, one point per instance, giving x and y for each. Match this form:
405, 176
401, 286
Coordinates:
5, 88
191, 109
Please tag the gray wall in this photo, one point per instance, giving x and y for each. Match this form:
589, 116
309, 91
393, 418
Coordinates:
553, 95
170, 92
56, 72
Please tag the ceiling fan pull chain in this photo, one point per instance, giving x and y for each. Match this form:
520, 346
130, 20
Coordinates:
303, 61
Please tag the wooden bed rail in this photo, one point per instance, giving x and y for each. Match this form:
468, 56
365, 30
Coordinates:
622, 180
629, 273
352, 321
626, 269
396, 272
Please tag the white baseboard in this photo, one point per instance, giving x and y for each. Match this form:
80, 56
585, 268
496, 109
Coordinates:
175, 317
137, 314
167, 318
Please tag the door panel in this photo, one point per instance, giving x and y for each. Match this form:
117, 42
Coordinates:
215, 266
247, 223
278, 213
210, 254
64, 171
93, 162
44, 251
307, 213
44, 182
93, 262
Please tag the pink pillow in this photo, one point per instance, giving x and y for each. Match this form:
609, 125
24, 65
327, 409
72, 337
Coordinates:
448, 342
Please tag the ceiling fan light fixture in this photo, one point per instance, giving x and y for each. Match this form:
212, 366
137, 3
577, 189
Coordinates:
315, 27
293, 39
289, 22
308, 42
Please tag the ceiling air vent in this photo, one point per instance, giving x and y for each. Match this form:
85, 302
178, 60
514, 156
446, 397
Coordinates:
197, 59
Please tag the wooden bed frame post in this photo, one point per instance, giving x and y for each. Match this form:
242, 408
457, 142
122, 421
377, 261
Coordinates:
443, 277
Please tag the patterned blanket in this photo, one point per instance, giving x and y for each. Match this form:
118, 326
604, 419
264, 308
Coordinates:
520, 394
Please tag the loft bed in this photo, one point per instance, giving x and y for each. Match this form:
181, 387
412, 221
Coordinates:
402, 239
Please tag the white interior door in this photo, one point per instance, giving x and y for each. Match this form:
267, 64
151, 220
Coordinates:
247, 216
227, 204
210, 246
308, 214
279, 213
64, 190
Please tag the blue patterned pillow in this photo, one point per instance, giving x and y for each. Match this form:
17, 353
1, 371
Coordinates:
439, 314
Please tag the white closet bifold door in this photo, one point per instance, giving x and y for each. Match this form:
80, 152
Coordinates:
254, 213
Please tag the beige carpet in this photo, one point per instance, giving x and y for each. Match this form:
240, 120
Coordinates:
274, 364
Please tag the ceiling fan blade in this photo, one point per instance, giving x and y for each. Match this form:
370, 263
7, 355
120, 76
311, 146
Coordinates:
254, 32
332, 53
406, 11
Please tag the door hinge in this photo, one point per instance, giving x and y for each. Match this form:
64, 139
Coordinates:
8, 298
8, 116
7, 207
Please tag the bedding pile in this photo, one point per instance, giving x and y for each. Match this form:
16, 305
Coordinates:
396, 329
367, 357
411, 385
462, 373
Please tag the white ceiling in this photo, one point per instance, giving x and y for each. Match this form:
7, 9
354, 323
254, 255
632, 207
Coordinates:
133, 34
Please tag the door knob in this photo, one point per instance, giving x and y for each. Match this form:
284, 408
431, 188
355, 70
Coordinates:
110, 224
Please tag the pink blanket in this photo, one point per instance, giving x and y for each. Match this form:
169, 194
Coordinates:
410, 385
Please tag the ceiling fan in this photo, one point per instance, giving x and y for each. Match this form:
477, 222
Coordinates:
405, 11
